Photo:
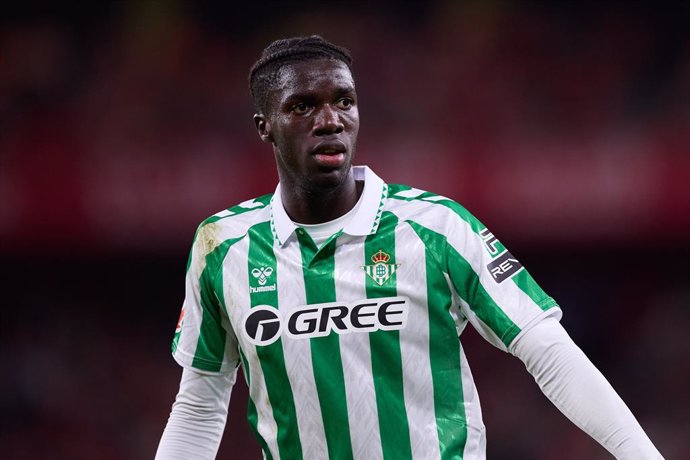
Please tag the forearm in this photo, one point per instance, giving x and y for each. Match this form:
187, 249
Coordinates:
577, 388
198, 416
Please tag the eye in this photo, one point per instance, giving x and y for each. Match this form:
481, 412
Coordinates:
345, 103
300, 109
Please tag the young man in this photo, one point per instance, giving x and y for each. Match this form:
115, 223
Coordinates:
342, 297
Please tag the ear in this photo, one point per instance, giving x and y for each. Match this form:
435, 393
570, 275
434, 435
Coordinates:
263, 127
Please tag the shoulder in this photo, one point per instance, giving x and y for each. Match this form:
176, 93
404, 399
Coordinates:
440, 221
231, 224
413, 203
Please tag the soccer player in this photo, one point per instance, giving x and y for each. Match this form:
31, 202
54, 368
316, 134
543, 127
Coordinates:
343, 299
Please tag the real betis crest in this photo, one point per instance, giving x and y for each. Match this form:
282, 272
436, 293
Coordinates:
380, 271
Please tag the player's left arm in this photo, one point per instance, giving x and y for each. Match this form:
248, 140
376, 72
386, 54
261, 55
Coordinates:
576, 387
509, 309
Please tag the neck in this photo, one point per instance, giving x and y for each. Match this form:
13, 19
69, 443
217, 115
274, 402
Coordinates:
314, 205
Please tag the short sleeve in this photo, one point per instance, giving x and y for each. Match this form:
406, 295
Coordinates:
496, 293
204, 339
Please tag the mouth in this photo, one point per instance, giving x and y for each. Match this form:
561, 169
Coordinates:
330, 154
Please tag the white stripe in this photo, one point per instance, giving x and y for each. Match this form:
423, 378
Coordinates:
297, 353
237, 300
435, 198
191, 322
356, 356
266, 424
475, 445
418, 385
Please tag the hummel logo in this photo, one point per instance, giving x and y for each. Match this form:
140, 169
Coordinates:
262, 274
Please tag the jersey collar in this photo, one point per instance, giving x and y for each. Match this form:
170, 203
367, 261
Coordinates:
365, 221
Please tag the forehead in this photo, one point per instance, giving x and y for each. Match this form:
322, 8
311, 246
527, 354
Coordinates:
313, 76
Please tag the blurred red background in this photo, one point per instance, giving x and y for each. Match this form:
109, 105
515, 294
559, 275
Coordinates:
564, 127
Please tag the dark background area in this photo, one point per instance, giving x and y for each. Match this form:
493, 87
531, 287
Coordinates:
564, 126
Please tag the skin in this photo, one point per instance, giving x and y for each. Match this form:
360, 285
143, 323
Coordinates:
312, 122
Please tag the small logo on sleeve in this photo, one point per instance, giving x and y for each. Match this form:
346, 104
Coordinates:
504, 266
490, 241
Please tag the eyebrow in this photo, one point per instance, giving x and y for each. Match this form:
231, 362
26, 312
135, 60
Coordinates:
345, 89
310, 94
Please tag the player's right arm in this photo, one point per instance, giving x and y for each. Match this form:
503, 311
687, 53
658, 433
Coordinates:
206, 347
198, 416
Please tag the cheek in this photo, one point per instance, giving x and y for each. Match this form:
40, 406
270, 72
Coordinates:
352, 120
281, 132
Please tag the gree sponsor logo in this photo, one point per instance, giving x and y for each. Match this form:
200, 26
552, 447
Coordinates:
264, 324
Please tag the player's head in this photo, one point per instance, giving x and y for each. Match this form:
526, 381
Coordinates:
306, 105
264, 74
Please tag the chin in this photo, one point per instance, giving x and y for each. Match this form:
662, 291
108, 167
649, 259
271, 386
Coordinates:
326, 180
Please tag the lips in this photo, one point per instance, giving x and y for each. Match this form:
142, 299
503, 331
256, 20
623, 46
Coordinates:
330, 154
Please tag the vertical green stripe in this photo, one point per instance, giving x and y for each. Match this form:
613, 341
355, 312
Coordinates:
318, 267
444, 356
210, 348
526, 283
386, 357
252, 413
262, 262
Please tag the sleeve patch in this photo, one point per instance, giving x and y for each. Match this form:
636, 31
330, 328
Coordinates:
503, 267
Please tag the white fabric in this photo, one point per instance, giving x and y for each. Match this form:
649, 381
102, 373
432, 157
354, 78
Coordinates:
574, 385
198, 416
367, 213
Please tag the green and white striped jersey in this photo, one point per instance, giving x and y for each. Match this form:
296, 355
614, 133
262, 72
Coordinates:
351, 350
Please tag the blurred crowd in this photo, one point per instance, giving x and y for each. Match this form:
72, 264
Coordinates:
128, 123
564, 126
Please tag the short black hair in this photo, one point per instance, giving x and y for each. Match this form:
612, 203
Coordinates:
264, 72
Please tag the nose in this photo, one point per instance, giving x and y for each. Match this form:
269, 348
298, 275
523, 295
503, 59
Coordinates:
327, 121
